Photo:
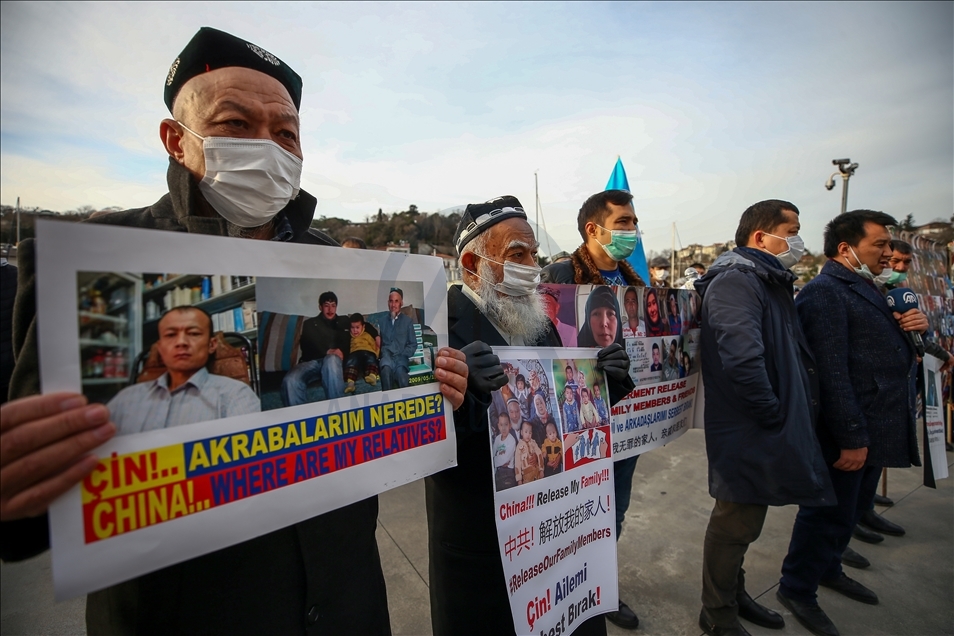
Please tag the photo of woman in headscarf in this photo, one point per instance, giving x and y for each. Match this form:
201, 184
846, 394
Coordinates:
655, 325
602, 326
540, 418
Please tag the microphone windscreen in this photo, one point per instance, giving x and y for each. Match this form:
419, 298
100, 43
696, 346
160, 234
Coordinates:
902, 299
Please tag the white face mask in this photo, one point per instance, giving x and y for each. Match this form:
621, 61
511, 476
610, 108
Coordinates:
862, 270
518, 280
248, 181
794, 253
661, 274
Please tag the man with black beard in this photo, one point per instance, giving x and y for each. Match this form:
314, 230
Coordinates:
499, 305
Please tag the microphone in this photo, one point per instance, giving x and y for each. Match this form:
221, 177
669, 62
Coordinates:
901, 300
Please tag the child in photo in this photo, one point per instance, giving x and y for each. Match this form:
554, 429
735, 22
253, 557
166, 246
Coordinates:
504, 448
522, 393
571, 410
571, 382
588, 412
552, 452
599, 404
363, 359
529, 457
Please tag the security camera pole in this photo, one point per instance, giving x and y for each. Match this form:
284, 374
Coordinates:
846, 168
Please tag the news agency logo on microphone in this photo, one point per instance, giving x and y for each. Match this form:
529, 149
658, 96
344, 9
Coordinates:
902, 300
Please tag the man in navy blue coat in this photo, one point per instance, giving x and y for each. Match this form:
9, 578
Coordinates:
867, 367
760, 409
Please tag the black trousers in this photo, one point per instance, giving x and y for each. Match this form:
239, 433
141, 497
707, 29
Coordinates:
821, 533
732, 527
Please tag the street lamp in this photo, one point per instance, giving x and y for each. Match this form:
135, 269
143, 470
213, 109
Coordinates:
845, 169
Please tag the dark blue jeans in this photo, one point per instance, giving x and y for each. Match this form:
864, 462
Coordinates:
623, 479
821, 533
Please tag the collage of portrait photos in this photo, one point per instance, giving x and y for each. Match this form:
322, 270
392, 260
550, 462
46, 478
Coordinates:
658, 327
551, 416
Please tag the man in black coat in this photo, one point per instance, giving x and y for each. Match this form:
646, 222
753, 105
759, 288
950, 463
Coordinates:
320, 576
761, 397
867, 367
497, 305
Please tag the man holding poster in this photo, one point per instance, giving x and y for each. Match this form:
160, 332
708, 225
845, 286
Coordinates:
607, 223
499, 305
219, 89
760, 409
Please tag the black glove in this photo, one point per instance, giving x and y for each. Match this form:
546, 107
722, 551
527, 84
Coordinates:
614, 362
484, 373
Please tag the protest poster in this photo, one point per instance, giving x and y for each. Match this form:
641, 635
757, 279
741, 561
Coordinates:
553, 480
660, 330
305, 395
934, 450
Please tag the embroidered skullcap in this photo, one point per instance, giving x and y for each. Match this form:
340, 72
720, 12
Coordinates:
211, 49
479, 217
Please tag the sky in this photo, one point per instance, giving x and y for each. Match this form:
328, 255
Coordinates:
710, 106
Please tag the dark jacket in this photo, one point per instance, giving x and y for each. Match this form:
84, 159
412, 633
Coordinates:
581, 270
761, 393
867, 367
319, 334
467, 586
320, 576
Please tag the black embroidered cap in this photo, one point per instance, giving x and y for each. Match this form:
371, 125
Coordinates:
478, 217
211, 49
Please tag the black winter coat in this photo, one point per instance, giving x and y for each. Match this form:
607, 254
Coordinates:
467, 586
867, 366
760, 387
320, 576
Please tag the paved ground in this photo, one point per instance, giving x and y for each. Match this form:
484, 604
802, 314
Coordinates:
660, 555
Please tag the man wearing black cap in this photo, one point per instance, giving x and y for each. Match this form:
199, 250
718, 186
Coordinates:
607, 223
499, 305
234, 170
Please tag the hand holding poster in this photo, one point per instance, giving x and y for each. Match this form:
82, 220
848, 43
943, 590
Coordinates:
553, 479
245, 400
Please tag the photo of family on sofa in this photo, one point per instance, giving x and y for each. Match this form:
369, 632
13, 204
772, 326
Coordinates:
357, 337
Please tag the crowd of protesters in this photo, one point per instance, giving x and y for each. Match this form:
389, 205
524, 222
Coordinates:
808, 398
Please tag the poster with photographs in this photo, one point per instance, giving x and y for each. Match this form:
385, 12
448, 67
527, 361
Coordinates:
550, 439
659, 329
931, 277
936, 460
252, 384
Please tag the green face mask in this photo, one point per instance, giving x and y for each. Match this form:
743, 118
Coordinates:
622, 243
897, 278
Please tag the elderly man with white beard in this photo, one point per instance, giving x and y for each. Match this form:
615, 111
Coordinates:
498, 305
